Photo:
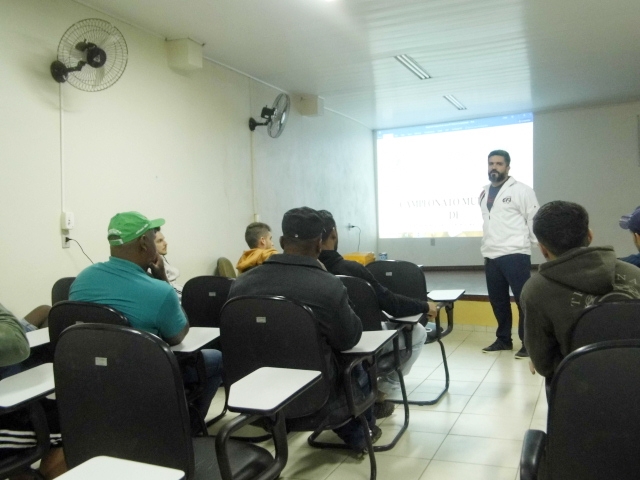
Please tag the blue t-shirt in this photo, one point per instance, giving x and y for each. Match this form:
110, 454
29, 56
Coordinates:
149, 304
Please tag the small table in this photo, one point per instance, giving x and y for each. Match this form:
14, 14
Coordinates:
445, 295
27, 386
38, 337
266, 389
111, 468
371, 342
196, 338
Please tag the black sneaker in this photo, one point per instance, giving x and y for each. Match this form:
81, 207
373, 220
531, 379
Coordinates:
522, 353
383, 409
497, 346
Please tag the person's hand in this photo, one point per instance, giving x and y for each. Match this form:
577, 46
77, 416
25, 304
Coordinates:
157, 268
433, 310
532, 369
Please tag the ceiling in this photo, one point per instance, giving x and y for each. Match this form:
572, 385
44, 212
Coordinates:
494, 56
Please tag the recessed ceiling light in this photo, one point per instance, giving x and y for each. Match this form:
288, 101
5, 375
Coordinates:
455, 102
413, 66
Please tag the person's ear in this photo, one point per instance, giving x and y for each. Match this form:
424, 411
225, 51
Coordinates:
589, 237
282, 243
319, 246
544, 250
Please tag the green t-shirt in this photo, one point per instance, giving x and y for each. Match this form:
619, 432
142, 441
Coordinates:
14, 346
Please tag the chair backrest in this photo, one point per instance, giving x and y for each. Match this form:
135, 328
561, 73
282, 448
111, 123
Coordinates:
64, 314
120, 393
224, 268
261, 331
607, 321
203, 298
364, 302
401, 277
593, 415
60, 290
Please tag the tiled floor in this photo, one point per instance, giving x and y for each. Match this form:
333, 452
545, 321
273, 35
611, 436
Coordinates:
474, 432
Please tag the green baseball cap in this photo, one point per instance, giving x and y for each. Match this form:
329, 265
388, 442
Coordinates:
129, 226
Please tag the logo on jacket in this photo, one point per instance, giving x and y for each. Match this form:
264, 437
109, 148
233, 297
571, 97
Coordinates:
506, 200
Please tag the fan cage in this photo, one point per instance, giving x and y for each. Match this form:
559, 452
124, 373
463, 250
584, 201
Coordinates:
105, 36
280, 116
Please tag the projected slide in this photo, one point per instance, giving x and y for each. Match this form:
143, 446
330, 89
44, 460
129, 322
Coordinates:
430, 177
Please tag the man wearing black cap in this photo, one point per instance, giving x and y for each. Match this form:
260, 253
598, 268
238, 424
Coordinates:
298, 275
631, 222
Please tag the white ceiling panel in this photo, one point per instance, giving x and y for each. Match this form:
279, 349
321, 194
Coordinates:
495, 56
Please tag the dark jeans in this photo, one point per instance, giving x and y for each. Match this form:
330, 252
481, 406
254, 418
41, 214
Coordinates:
213, 372
351, 433
504, 272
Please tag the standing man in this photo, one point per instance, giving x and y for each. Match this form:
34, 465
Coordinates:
508, 208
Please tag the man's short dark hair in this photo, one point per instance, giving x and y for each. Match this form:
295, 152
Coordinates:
501, 153
254, 232
561, 226
328, 221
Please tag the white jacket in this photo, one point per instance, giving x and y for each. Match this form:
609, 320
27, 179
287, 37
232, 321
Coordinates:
508, 228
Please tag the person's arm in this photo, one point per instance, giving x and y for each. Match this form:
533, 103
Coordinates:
394, 304
529, 209
14, 346
348, 329
172, 322
157, 269
539, 338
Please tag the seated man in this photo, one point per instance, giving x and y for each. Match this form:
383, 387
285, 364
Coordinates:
575, 276
258, 237
16, 431
298, 275
393, 304
172, 272
149, 303
631, 222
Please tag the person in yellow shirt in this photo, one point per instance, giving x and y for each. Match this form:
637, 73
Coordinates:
260, 241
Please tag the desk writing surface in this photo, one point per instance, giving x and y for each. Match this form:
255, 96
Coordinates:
410, 319
110, 468
266, 388
26, 385
196, 338
38, 337
370, 342
445, 295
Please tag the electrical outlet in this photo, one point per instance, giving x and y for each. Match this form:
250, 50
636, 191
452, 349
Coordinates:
65, 240
349, 226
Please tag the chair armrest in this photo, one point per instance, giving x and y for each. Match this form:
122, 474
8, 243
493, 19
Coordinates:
409, 320
371, 342
275, 425
445, 295
277, 387
532, 449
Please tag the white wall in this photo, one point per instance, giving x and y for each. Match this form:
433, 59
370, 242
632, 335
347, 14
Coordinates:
169, 144
587, 155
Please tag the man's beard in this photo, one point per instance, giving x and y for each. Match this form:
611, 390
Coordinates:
497, 177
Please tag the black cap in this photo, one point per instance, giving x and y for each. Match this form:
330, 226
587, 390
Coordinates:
631, 221
303, 223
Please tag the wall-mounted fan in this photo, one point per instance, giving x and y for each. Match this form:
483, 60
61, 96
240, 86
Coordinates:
92, 55
276, 117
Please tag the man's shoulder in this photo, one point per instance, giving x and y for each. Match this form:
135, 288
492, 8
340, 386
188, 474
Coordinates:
532, 287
